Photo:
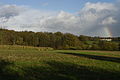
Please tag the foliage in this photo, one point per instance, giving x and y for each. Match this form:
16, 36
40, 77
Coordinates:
56, 40
104, 45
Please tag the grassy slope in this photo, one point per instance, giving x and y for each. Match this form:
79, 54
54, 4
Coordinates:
59, 65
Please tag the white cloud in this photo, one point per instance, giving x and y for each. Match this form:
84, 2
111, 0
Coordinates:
99, 6
108, 21
91, 20
8, 11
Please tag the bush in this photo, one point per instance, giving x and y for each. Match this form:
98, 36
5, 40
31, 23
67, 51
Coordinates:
95, 47
104, 45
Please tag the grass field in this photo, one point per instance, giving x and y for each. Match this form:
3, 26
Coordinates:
59, 65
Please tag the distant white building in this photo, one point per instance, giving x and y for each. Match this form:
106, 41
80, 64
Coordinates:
106, 38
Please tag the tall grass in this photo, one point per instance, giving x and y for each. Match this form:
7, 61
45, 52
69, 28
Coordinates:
59, 65
17, 47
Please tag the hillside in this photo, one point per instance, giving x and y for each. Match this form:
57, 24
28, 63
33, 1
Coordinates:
57, 40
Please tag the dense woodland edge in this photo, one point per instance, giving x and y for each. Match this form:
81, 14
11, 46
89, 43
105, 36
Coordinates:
57, 40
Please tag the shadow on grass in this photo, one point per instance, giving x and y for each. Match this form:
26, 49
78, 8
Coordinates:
68, 71
6, 73
104, 58
55, 70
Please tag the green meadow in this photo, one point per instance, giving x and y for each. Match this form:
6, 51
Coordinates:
37, 64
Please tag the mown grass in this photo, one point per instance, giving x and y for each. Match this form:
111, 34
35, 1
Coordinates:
59, 65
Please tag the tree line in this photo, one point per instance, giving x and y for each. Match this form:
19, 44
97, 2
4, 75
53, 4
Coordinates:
56, 40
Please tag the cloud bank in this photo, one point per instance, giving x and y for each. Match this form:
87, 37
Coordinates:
94, 19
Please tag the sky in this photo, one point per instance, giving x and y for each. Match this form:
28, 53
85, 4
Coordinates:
80, 17
66, 5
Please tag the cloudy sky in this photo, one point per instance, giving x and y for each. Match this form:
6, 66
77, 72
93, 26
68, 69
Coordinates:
80, 17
